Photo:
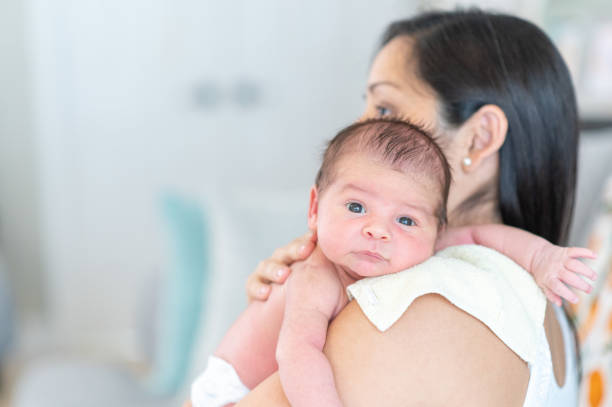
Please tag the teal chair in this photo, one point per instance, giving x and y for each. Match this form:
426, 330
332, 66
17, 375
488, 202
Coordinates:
174, 322
182, 295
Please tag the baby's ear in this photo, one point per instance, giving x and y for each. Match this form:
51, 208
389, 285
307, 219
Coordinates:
313, 208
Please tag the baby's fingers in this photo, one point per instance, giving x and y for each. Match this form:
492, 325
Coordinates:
552, 297
578, 267
581, 252
573, 280
562, 291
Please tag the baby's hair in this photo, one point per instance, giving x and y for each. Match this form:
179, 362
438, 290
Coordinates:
401, 144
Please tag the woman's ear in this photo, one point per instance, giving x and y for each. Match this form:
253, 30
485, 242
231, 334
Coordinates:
313, 208
488, 128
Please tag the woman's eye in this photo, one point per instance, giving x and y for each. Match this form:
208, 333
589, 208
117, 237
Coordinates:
355, 207
383, 111
405, 220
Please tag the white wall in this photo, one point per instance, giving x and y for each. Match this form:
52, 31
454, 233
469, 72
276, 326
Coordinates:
116, 125
19, 193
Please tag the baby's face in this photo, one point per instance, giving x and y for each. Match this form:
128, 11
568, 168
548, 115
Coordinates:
373, 220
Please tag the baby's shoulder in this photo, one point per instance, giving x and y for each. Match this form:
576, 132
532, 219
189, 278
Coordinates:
320, 289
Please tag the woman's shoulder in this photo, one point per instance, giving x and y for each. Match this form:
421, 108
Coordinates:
478, 280
435, 354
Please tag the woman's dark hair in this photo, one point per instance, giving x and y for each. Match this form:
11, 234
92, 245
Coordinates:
471, 58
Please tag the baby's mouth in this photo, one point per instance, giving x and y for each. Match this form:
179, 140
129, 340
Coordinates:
370, 255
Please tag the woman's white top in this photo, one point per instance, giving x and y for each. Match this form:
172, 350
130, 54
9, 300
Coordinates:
493, 289
566, 396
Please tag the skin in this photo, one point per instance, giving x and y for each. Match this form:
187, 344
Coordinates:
413, 374
371, 220
368, 239
394, 90
390, 214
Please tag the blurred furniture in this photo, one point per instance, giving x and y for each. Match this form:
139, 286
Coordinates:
593, 313
594, 167
171, 321
69, 382
6, 315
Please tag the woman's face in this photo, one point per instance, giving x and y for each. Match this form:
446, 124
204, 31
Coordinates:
394, 90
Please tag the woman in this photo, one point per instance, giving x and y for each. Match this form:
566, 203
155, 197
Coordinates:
498, 95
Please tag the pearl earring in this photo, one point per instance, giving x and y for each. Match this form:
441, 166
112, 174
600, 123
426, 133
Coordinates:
467, 161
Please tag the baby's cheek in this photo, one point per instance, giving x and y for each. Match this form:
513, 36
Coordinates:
330, 244
428, 250
418, 251
429, 246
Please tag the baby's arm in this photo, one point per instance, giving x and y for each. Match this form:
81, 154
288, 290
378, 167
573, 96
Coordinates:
250, 344
246, 355
313, 298
552, 266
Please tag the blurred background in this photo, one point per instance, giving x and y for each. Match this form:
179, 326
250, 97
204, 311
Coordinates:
152, 152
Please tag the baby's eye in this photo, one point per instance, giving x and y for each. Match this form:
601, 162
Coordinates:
383, 111
405, 220
355, 207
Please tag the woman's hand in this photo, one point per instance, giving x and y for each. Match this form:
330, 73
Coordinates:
276, 268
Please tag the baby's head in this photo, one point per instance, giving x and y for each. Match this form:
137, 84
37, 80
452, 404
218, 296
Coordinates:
379, 198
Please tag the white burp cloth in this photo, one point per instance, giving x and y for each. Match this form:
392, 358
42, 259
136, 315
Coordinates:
218, 385
479, 280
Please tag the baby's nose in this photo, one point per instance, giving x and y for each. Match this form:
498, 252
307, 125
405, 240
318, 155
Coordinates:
376, 231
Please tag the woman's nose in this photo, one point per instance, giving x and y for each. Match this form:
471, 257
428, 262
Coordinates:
376, 231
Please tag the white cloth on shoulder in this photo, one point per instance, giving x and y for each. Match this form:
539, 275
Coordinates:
479, 280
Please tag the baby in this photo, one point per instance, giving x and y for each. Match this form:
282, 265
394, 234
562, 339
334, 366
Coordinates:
378, 207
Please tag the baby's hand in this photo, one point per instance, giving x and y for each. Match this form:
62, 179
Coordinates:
555, 268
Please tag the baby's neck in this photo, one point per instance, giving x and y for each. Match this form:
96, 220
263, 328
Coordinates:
346, 276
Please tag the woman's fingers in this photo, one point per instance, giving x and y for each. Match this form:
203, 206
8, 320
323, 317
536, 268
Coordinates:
573, 280
276, 268
267, 272
256, 290
307, 248
270, 271
297, 250
579, 267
